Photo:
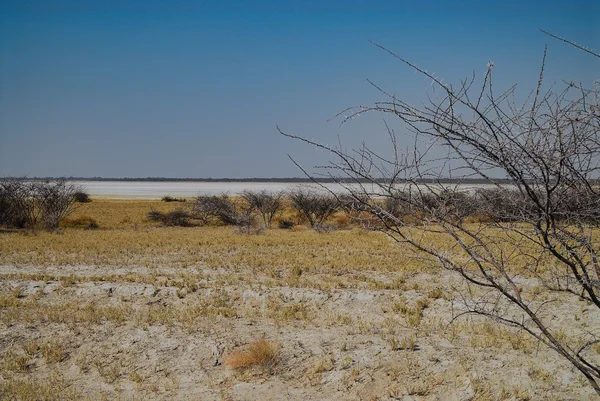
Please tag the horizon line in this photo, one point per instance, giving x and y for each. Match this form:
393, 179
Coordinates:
260, 179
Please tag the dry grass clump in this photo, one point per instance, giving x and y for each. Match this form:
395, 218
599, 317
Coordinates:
261, 353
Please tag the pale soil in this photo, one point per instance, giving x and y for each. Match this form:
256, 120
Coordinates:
335, 343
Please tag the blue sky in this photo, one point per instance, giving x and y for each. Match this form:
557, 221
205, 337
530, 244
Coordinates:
197, 88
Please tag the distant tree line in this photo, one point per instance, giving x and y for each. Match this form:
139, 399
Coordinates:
298, 180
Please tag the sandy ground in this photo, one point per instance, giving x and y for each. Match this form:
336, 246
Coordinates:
138, 335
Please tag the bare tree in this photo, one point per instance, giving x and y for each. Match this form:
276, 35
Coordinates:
265, 203
542, 157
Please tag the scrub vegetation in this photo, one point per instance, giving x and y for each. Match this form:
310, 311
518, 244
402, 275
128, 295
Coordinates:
136, 309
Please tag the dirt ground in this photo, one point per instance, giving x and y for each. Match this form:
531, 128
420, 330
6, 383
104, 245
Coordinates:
134, 332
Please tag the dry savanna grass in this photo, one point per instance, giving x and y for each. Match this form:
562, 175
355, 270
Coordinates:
261, 352
133, 310
117, 213
126, 237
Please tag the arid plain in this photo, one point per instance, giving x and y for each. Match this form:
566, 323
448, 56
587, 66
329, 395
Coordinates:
133, 310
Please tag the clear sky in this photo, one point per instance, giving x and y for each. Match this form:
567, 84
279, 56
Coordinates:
196, 88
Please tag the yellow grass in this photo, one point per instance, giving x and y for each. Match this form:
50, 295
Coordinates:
261, 352
331, 300
113, 213
127, 238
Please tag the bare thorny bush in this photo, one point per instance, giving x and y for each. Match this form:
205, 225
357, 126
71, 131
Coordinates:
315, 206
25, 204
226, 210
545, 207
264, 203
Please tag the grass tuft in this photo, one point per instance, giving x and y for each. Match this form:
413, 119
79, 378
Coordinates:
261, 353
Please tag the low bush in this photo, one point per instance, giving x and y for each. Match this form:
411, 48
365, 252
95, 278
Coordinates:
315, 207
264, 203
286, 224
178, 217
82, 197
221, 209
168, 198
17, 203
398, 205
25, 204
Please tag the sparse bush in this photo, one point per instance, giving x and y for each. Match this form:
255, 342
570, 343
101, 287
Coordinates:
286, 224
578, 204
504, 205
168, 198
265, 203
222, 209
398, 204
177, 217
82, 197
316, 207
18, 203
154, 215
353, 204
249, 225
56, 200
25, 203
450, 202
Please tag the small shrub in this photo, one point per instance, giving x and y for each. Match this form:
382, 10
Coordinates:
398, 204
286, 224
352, 203
154, 215
324, 228
252, 230
222, 209
261, 353
18, 203
177, 217
81, 197
247, 224
168, 198
265, 203
316, 207
55, 201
